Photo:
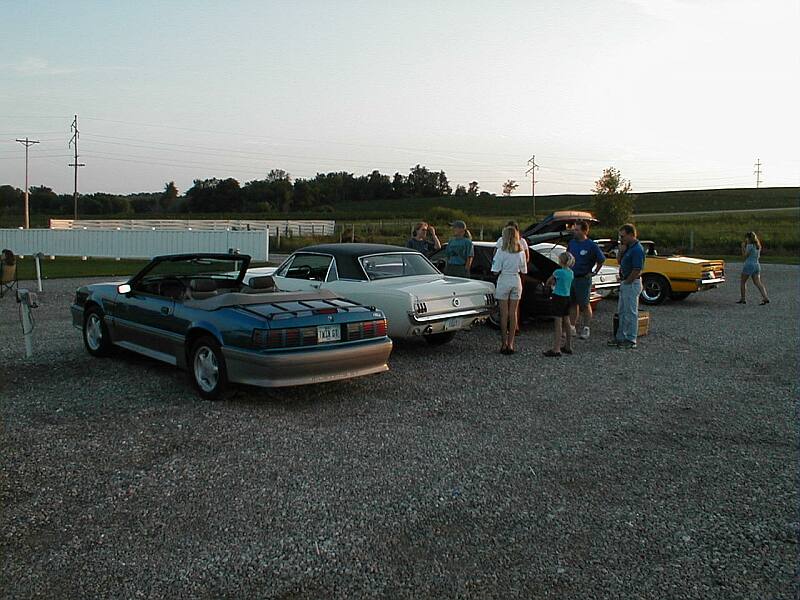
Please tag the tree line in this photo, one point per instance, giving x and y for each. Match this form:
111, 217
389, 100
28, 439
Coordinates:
278, 192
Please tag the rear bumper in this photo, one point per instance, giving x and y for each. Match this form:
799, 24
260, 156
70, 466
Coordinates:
709, 284
304, 366
452, 321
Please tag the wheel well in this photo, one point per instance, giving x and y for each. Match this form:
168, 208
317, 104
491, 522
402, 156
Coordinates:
90, 304
192, 336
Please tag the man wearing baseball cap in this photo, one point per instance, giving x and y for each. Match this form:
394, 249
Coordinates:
459, 251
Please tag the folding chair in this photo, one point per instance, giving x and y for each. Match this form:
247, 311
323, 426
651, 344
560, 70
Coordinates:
8, 279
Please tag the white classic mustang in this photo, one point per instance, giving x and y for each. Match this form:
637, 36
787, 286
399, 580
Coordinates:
416, 298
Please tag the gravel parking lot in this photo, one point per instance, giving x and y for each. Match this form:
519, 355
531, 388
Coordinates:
665, 472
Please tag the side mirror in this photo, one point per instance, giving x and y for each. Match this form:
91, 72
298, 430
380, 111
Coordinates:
124, 288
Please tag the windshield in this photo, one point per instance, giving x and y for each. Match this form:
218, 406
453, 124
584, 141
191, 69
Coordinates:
217, 268
401, 264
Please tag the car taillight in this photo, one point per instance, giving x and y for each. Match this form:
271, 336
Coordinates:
366, 330
284, 338
381, 328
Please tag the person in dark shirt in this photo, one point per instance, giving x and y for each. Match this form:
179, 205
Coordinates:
424, 239
589, 260
631, 264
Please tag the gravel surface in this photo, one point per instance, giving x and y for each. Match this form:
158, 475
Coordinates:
664, 472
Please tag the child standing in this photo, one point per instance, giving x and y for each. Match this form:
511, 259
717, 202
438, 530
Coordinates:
561, 281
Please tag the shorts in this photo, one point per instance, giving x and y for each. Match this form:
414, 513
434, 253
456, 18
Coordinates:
580, 290
508, 288
751, 269
559, 306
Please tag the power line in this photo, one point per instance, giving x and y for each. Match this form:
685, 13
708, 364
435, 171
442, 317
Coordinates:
27, 143
75, 163
532, 171
757, 173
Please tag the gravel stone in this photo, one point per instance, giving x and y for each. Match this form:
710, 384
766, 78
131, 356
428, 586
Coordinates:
663, 472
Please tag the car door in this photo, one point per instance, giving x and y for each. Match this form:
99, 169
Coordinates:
143, 318
304, 272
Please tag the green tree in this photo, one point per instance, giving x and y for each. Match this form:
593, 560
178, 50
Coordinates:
509, 187
472, 190
460, 191
168, 197
613, 200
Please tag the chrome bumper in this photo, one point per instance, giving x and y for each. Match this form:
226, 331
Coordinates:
441, 323
309, 365
708, 284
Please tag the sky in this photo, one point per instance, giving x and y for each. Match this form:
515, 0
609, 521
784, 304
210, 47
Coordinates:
677, 94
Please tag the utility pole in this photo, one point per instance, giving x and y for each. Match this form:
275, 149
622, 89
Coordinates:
532, 171
757, 172
27, 143
76, 164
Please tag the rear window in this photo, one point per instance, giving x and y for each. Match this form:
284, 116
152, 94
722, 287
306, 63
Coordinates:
405, 264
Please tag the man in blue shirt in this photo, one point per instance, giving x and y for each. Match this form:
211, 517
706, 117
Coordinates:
589, 259
630, 270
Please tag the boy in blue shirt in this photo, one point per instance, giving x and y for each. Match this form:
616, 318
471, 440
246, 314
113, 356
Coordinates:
630, 271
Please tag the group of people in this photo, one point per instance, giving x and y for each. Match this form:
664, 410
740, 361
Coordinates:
570, 284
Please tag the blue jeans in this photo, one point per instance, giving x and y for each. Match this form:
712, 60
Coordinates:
628, 311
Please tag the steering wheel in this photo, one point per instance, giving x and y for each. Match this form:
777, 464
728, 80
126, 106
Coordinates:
305, 271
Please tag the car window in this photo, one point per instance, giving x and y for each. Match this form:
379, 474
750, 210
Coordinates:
311, 267
333, 274
402, 264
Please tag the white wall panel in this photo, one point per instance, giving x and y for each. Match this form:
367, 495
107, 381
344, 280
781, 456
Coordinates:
132, 244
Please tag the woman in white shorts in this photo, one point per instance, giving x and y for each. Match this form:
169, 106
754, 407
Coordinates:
509, 261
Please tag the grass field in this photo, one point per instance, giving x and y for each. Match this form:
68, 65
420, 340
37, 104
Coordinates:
390, 221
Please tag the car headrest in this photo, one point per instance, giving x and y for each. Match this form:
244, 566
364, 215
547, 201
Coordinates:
265, 282
203, 285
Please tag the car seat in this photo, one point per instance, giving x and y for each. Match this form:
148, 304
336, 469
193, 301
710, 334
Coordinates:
200, 289
265, 283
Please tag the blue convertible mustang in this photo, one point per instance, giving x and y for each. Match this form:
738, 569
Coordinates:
194, 311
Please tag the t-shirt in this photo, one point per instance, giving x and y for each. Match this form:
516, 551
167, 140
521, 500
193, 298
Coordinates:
632, 259
458, 250
423, 246
564, 279
509, 263
587, 254
522, 243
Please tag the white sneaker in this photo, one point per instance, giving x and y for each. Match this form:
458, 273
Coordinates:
584, 335
572, 330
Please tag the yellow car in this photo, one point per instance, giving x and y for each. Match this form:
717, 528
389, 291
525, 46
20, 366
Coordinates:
672, 277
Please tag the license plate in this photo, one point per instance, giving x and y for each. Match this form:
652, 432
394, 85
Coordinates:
328, 333
452, 324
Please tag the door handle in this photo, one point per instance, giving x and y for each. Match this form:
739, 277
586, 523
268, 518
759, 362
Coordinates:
165, 310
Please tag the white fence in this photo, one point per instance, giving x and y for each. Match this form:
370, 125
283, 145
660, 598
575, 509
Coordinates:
276, 228
133, 244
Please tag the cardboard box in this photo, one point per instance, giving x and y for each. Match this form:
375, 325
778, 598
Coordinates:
644, 323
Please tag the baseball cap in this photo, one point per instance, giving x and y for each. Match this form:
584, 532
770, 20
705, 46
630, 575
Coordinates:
458, 224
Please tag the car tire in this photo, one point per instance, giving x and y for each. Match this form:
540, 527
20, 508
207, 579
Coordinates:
439, 339
680, 295
96, 338
207, 368
655, 289
493, 320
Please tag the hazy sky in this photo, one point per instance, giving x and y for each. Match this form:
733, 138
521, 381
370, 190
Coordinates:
677, 94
